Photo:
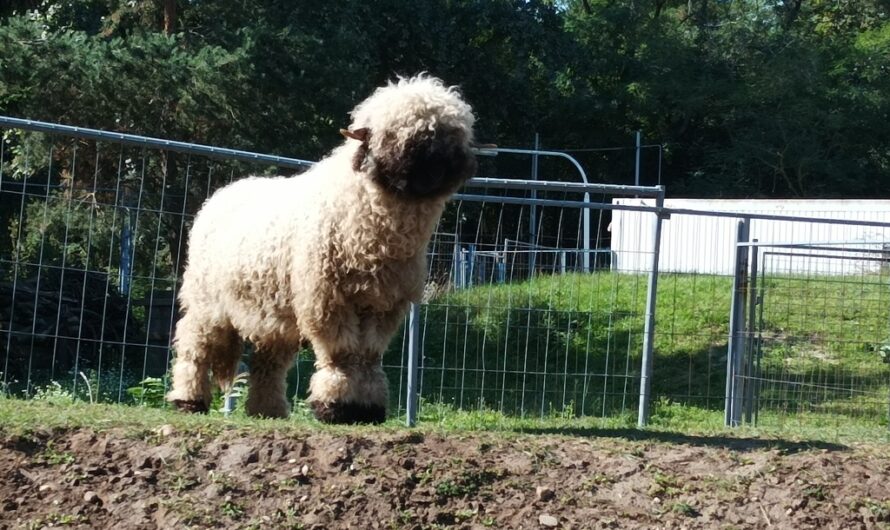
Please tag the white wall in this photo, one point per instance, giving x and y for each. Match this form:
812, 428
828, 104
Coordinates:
703, 244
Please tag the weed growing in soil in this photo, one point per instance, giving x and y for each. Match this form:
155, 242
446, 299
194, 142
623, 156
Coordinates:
57, 519
467, 483
54, 457
232, 510
684, 509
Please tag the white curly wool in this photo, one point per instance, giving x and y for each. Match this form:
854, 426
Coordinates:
333, 257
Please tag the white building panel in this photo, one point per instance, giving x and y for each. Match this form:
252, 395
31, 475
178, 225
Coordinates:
704, 244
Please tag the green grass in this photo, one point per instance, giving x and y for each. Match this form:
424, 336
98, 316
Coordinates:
514, 357
523, 348
481, 343
671, 423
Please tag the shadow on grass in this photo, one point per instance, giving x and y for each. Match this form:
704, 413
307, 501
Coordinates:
717, 441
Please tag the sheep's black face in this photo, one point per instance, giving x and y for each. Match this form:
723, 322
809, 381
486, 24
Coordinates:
433, 164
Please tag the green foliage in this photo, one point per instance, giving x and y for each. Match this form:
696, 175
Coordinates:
748, 98
237, 390
54, 393
77, 232
667, 413
150, 392
685, 509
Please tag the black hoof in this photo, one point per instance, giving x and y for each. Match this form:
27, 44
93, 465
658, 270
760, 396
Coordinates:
348, 413
191, 406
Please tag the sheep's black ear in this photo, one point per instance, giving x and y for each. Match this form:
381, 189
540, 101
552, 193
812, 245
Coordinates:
359, 134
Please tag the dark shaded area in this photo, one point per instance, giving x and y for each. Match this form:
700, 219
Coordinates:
676, 438
65, 320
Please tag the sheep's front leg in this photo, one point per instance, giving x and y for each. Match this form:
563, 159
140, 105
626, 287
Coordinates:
266, 394
349, 391
349, 385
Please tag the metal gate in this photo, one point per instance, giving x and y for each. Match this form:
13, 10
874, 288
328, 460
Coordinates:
810, 334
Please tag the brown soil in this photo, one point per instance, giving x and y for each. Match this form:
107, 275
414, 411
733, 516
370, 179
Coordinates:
385, 479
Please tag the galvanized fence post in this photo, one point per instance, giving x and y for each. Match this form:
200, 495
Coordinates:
732, 407
750, 346
413, 397
649, 327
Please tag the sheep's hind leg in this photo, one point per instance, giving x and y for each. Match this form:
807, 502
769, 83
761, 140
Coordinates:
266, 395
200, 347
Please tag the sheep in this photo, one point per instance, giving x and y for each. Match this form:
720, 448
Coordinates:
332, 257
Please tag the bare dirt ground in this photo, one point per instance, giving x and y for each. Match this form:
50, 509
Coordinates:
166, 478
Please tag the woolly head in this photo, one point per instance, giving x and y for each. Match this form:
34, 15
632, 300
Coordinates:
415, 138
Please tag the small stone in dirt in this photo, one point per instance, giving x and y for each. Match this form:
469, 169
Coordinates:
91, 497
165, 430
548, 520
544, 493
28, 475
45, 487
213, 491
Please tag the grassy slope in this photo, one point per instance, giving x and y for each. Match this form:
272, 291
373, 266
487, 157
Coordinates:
482, 344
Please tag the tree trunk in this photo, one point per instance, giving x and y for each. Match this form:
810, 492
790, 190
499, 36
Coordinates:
169, 17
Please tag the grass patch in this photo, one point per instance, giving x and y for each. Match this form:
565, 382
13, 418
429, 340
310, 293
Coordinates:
571, 345
564, 352
29, 417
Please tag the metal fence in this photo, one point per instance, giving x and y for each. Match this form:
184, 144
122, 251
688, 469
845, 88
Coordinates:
533, 321
526, 311
91, 248
811, 333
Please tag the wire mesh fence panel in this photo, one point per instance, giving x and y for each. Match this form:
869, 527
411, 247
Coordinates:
695, 289
820, 337
535, 303
515, 319
693, 301
91, 258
